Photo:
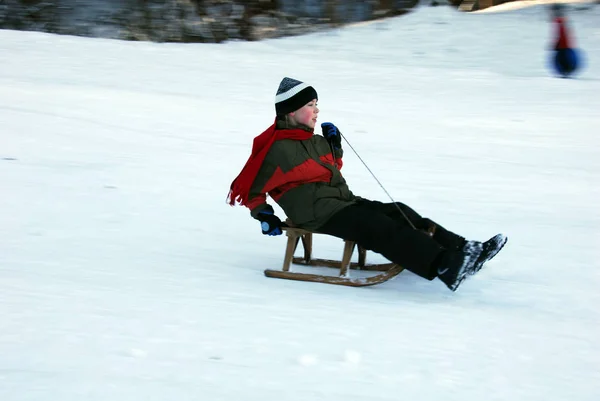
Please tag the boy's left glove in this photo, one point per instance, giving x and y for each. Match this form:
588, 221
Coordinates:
333, 135
269, 223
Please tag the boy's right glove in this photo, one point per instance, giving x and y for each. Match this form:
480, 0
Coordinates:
270, 224
333, 135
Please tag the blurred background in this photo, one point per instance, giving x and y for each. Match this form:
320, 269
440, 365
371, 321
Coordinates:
210, 21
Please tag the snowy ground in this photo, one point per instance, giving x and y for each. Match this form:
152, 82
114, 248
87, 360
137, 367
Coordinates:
125, 276
517, 5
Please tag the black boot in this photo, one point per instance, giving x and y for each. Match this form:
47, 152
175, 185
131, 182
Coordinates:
454, 265
491, 248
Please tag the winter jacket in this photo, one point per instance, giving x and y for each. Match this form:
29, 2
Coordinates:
303, 177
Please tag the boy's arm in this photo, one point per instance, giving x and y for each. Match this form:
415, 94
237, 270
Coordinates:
269, 177
338, 154
257, 200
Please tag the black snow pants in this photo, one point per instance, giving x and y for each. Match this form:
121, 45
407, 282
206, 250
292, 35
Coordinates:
380, 227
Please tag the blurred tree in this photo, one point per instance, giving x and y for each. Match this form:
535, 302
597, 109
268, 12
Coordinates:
330, 11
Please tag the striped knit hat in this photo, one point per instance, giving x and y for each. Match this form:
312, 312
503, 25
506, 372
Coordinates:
292, 95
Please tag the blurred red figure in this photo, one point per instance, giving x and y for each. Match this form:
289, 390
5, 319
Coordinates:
563, 40
565, 59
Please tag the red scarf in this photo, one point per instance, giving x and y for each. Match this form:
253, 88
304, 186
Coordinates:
240, 187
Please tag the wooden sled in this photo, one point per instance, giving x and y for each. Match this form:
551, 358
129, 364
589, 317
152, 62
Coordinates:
388, 270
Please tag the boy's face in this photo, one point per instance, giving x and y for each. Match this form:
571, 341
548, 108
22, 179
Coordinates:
307, 114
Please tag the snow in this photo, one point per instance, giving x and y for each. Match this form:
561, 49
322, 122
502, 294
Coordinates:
516, 5
125, 276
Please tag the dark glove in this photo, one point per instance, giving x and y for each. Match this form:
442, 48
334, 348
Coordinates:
270, 224
333, 135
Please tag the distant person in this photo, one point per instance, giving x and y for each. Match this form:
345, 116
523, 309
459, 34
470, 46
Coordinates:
301, 172
565, 59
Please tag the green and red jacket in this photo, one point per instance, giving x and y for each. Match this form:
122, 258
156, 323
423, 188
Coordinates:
304, 178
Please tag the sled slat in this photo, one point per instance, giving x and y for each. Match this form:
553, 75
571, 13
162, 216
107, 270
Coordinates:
336, 264
347, 281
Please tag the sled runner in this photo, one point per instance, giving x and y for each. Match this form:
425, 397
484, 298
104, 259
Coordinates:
295, 235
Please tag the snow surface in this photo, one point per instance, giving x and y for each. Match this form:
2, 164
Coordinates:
125, 276
515, 5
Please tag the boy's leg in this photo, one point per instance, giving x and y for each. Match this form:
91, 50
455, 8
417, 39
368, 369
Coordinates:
376, 231
445, 238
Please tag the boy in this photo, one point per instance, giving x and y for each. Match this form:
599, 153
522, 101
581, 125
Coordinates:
301, 172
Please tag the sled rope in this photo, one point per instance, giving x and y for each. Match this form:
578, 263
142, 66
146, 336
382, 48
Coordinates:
378, 182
